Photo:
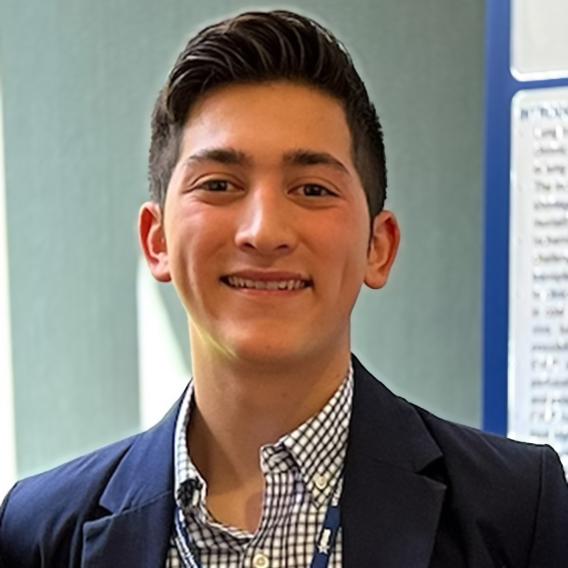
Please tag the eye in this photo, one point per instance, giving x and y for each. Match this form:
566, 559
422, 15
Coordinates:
315, 190
216, 185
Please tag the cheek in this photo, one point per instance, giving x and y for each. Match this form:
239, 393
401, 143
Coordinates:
344, 261
185, 252
197, 249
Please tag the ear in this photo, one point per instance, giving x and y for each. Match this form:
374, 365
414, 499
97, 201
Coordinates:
153, 240
383, 246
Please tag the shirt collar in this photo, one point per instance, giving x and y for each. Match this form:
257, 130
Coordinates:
319, 445
188, 482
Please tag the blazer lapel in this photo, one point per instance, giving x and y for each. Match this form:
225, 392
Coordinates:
139, 504
390, 507
136, 537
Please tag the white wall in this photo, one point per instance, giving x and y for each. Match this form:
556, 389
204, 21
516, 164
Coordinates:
7, 439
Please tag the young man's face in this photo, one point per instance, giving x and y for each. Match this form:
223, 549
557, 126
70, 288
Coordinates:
265, 228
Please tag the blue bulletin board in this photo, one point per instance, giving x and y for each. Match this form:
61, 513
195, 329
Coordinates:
502, 85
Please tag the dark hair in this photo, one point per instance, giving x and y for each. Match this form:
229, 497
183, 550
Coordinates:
257, 47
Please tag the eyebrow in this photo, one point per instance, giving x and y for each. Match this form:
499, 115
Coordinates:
227, 156
303, 157
299, 157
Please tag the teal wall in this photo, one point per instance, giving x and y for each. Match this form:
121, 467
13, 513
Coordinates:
79, 79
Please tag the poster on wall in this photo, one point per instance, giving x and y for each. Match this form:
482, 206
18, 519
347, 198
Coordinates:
538, 284
526, 223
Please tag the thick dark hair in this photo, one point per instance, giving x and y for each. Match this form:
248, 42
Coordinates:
257, 47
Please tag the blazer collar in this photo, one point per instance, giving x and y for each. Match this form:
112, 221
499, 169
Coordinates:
390, 506
139, 503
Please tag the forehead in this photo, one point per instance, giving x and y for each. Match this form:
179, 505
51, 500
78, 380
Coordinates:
268, 118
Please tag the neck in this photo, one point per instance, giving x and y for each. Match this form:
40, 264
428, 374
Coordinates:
239, 407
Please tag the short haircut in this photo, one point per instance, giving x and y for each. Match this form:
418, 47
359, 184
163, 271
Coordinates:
259, 47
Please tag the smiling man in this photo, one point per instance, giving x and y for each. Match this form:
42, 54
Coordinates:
268, 184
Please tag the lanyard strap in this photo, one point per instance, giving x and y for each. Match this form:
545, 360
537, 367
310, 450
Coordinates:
329, 530
324, 545
186, 549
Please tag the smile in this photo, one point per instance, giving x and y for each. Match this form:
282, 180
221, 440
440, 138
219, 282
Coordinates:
249, 284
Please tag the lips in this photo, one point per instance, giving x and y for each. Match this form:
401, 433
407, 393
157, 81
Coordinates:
236, 282
272, 282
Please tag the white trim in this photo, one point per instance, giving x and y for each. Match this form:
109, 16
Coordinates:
7, 425
163, 371
537, 45
525, 76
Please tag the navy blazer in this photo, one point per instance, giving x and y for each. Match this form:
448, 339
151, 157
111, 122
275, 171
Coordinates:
418, 491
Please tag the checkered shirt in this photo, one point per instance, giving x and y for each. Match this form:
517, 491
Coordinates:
302, 471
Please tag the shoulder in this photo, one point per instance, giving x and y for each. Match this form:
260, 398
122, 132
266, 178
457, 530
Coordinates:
42, 518
494, 466
485, 469
509, 493
49, 507
465, 450
469, 448
512, 492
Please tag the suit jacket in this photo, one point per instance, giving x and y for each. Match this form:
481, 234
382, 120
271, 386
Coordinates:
418, 491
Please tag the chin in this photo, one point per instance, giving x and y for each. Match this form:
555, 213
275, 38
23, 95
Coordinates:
260, 351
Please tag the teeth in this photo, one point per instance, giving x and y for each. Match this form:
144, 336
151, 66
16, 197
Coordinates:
237, 282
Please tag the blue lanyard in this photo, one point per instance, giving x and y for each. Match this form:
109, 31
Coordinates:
328, 534
322, 553
185, 546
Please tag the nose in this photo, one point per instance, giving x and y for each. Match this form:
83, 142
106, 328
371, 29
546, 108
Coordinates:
266, 223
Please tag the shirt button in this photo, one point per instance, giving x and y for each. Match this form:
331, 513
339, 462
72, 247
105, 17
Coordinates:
260, 560
321, 481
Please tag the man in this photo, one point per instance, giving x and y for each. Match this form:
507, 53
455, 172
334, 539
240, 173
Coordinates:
268, 183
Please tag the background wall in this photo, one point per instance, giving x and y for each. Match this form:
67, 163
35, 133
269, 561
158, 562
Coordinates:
78, 83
